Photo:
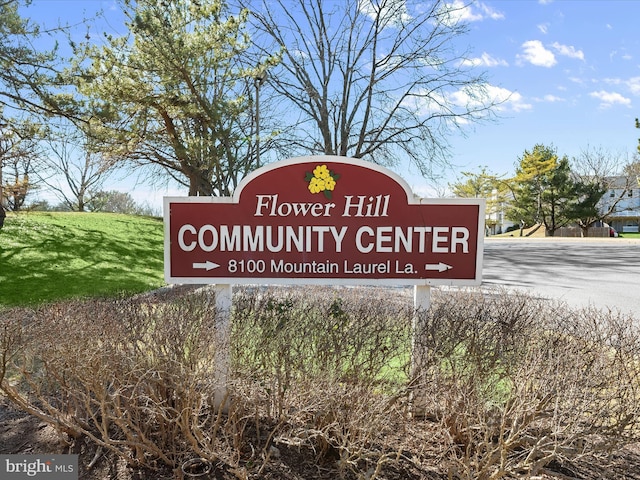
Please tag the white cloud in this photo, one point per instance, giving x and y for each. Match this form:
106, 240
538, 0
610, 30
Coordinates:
552, 98
485, 60
462, 100
505, 99
536, 54
509, 100
543, 27
300, 54
613, 81
608, 99
392, 13
568, 51
462, 11
634, 85
488, 12
623, 55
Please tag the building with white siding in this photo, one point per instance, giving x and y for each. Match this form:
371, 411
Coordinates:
622, 200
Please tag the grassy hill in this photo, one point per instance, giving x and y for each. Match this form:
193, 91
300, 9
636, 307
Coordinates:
48, 256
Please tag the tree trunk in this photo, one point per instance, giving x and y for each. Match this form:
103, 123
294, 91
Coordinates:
534, 230
199, 185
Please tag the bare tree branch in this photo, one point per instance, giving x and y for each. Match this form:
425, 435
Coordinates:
370, 79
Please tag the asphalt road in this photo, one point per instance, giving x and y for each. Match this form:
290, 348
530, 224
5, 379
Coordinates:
582, 272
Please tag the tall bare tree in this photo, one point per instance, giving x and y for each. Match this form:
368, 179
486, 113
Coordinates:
71, 169
19, 156
19, 160
370, 78
612, 172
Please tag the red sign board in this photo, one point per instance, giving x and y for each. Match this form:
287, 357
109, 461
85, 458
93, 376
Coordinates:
323, 220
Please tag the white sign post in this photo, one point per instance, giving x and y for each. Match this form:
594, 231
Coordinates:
322, 220
223, 294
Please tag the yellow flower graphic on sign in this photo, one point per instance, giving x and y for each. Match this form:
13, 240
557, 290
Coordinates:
322, 180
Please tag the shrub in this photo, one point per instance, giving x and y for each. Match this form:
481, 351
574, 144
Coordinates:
500, 384
134, 377
520, 383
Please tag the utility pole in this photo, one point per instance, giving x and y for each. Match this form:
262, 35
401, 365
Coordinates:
2, 152
258, 80
2, 212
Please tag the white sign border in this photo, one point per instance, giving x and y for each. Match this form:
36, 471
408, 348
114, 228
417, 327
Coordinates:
412, 199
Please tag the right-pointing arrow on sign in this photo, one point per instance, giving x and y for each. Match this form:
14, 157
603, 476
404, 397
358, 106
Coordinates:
206, 265
440, 267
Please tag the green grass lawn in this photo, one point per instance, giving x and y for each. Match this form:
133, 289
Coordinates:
630, 235
48, 256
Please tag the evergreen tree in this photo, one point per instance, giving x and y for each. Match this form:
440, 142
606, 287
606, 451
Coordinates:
172, 94
546, 192
529, 184
27, 76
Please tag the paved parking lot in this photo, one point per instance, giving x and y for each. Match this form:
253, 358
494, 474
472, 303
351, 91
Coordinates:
582, 272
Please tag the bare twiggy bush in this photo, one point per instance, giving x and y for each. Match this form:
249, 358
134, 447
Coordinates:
328, 367
500, 385
134, 377
521, 384
343, 335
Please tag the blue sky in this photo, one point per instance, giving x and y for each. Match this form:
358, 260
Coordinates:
570, 71
567, 70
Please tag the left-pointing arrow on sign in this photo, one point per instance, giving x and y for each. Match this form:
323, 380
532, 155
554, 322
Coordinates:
205, 265
440, 267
